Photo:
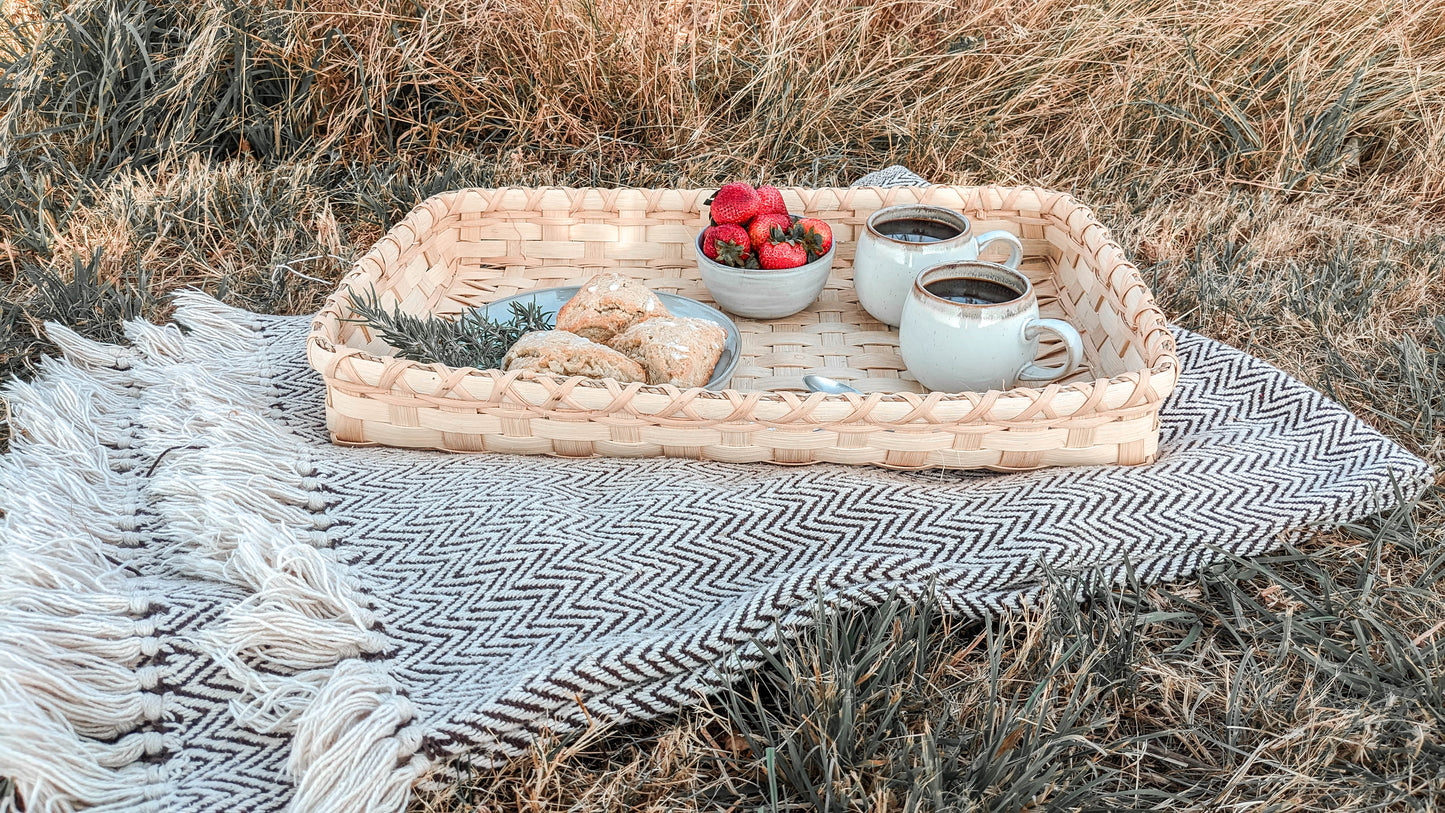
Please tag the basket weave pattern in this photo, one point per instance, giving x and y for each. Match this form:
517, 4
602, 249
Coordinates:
462, 249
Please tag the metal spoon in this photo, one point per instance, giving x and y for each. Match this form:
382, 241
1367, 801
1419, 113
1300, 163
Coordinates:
818, 383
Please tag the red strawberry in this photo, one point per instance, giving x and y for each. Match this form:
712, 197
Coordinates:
735, 203
761, 229
728, 244
817, 236
781, 255
772, 201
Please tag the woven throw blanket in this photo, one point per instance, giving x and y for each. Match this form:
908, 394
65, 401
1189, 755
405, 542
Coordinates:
204, 605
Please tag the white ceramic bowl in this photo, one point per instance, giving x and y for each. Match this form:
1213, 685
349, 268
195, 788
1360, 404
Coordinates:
763, 294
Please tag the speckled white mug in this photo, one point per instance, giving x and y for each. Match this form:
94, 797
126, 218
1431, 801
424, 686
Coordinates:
884, 265
961, 347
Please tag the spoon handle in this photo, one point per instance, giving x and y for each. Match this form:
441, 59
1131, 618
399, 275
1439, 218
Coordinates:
819, 383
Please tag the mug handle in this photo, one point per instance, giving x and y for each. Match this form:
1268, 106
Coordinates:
1073, 349
1015, 248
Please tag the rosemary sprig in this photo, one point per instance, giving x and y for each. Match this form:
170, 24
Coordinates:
470, 340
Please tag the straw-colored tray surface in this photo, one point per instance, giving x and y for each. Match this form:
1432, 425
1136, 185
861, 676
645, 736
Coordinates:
463, 249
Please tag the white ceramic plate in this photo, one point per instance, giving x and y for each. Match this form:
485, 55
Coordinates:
550, 299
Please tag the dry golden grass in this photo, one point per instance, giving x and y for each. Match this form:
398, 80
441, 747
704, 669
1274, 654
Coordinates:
1286, 95
1276, 168
965, 90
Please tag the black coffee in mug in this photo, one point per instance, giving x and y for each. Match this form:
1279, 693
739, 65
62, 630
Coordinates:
917, 230
971, 291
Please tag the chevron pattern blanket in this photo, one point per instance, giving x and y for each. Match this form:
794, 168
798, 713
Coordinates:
206, 606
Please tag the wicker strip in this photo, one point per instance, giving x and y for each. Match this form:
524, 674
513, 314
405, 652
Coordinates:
462, 249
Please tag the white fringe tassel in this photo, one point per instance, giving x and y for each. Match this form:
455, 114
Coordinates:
55, 769
246, 507
356, 727
239, 502
72, 626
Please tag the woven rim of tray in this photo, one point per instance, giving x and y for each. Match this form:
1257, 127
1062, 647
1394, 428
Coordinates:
1025, 405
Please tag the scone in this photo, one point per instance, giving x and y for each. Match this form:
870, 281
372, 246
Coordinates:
607, 305
561, 353
673, 349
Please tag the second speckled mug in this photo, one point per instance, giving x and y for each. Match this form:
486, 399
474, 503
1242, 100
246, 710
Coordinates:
974, 326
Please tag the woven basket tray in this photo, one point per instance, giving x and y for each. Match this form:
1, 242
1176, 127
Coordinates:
462, 249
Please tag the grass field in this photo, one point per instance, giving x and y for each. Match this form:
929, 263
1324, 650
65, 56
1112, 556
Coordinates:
1276, 167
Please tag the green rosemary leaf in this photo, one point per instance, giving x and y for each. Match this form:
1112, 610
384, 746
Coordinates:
471, 340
